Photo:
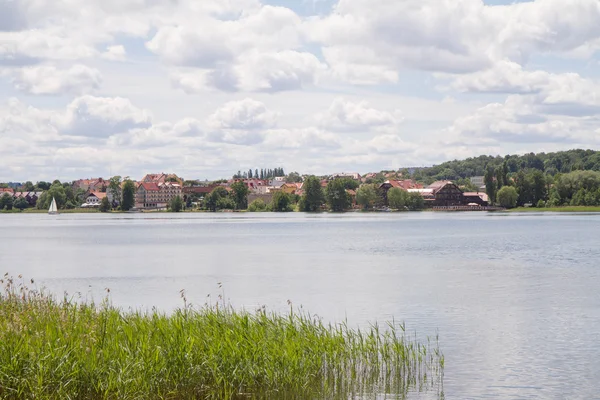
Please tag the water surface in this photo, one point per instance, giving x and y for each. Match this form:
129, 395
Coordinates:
514, 297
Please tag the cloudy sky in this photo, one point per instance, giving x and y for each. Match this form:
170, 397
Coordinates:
204, 88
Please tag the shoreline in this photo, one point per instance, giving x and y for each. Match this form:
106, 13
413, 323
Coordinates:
571, 209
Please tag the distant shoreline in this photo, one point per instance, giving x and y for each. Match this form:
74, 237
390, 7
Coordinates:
557, 209
572, 209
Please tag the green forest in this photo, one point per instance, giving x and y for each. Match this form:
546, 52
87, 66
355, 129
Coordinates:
565, 178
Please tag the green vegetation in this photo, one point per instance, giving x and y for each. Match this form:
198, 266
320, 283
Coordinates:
507, 197
6, 202
114, 187
337, 198
367, 196
398, 198
56, 191
281, 202
313, 197
104, 205
218, 199
63, 349
20, 204
128, 195
176, 204
257, 205
263, 174
240, 195
415, 202
549, 163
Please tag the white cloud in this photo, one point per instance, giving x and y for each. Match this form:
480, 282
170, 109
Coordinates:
50, 80
246, 114
344, 114
101, 117
115, 53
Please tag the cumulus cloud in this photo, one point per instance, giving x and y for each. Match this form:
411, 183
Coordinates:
102, 117
457, 36
115, 53
50, 80
246, 114
344, 114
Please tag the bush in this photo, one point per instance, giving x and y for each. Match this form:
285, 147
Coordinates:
176, 204
507, 197
257, 205
281, 202
105, 205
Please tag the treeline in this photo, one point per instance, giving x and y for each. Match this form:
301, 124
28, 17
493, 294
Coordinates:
548, 163
260, 174
533, 187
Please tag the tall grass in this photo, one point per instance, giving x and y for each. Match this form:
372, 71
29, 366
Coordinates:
71, 350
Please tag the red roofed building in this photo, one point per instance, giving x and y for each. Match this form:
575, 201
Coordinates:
6, 190
156, 195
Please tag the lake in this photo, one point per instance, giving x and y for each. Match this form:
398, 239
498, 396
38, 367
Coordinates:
514, 297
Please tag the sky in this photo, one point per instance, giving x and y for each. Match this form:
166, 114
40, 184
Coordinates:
206, 88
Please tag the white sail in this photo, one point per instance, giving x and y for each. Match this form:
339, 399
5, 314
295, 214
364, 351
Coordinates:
53, 209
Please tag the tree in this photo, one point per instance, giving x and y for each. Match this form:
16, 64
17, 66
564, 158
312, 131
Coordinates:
176, 204
366, 196
114, 187
499, 177
56, 191
240, 195
213, 201
21, 204
337, 197
128, 201
293, 177
104, 205
313, 197
523, 186
539, 189
397, 198
350, 183
281, 202
6, 202
507, 197
43, 185
415, 202
28, 187
257, 205
490, 186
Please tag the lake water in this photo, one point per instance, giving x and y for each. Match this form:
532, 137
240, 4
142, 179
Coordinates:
514, 297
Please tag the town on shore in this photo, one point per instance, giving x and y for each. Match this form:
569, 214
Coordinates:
569, 178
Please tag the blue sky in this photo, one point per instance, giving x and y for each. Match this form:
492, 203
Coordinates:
204, 89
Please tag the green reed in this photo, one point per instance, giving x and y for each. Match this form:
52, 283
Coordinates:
71, 350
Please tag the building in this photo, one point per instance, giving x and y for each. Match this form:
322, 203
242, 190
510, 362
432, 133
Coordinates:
162, 178
92, 184
476, 198
31, 197
94, 199
445, 194
156, 195
6, 190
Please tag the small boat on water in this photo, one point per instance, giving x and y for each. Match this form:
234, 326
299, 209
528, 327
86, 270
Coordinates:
53, 210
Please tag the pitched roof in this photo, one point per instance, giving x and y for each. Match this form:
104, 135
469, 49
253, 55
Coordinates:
149, 186
99, 195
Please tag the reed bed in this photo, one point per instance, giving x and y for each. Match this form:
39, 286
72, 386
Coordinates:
67, 349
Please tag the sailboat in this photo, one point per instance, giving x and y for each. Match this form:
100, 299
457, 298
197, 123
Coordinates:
53, 210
